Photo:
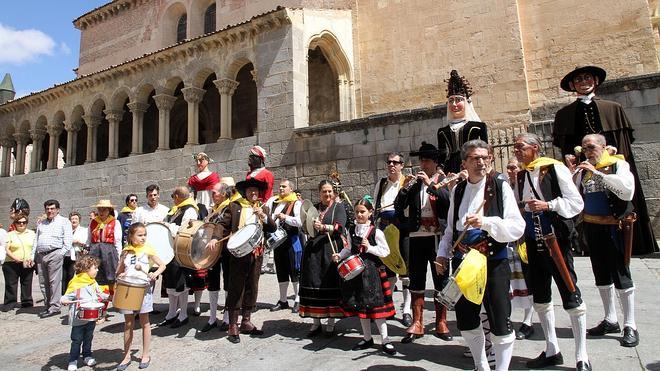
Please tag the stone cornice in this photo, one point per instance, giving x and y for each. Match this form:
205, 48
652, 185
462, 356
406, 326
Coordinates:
186, 49
104, 12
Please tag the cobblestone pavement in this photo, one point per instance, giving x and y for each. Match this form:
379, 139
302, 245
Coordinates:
30, 343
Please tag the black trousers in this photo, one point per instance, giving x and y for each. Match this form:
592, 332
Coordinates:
67, 272
14, 274
422, 253
285, 263
496, 300
221, 267
542, 270
606, 254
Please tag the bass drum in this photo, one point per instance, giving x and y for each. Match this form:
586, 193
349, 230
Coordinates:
159, 236
190, 245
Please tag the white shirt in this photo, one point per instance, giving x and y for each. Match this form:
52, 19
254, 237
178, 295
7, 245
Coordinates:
390, 191
507, 229
426, 212
381, 249
80, 235
188, 215
146, 214
621, 183
3, 241
292, 220
568, 205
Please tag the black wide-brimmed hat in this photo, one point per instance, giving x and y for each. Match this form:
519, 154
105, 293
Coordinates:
242, 186
595, 71
426, 150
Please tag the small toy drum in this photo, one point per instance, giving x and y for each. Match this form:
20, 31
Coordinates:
90, 311
351, 267
129, 293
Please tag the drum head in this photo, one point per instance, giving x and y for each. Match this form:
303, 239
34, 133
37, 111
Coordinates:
133, 281
91, 305
158, 235
200, 255
241, 236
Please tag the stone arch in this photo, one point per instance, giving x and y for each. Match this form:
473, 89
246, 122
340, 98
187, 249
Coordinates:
58, 124
178, 118
97, 106
171, 85
41, 123
330, 80
244, 103
76, 121
200, 76
119, 98
102, 131
239, 60
24, 127
209, 111
169, 23
196, 16
145, 94
41, 151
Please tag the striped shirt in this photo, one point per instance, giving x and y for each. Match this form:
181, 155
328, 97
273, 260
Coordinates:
55, 234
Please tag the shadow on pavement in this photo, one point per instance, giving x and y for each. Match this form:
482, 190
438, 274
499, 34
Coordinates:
107, 359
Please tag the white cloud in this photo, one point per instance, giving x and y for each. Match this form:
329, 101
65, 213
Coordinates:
20, 46
65, 48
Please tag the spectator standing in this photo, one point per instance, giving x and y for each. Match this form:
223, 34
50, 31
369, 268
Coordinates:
17, 269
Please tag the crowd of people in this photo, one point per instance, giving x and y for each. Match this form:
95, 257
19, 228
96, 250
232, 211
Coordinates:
343, 259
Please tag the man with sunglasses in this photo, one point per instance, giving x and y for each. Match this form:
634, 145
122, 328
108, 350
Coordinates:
607, 186
550, 199
591, 115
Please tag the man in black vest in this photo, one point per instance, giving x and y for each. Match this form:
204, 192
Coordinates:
550, 199
486, 206
425, 211
607, 186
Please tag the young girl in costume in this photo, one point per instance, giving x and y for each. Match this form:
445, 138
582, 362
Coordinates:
369, 295
135, 261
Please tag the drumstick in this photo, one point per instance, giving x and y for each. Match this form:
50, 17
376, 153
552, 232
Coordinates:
332, 245
460, 237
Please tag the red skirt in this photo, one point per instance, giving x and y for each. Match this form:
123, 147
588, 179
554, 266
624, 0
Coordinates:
383, 311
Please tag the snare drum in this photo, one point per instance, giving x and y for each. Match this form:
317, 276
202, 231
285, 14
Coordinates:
275, 239
451, 294
245, 240
129, 293
90, 311
351, 267
468, 280
190, 245
159, 236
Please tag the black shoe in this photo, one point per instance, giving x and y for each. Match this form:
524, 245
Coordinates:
445, 336
50, 314
543, 361
583, 366
254, 332
603, 328
279, 306
197, 312
524, 332
296, 307
178, 323
388, 348
407, 320
208, 326
409, 338
8, 307
363, 344
166, 322
154, 312
315, 332
630, 337
27, 304
234, 339
43, 312
224, 326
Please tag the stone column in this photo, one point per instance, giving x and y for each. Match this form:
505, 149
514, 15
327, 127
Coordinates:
7, 144
164, 103
138, 109
71, 142
226, 87
53, 145
114, 119
92, 123
193, 96
37, 139
22, 140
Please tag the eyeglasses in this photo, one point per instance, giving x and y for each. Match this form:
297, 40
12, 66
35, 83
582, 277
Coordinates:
512, 167
133, 200
590, 147
392, 162
20, 223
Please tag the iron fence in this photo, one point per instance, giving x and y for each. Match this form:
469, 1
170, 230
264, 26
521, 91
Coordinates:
502, 140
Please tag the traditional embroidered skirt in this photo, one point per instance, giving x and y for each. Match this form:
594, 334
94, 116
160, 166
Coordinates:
320, 294
368, 295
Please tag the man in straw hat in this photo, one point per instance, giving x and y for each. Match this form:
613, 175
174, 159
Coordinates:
591, 115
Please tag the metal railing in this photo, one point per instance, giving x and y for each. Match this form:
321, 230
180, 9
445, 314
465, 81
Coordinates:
502, 140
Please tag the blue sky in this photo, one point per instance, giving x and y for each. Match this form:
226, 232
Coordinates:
38, 42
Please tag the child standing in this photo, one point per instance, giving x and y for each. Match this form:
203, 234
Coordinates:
82, 289
369, 295
135, 261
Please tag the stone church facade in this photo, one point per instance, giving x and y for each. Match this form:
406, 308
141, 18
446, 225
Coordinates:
321, 84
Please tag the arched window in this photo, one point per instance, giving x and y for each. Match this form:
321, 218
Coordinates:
209, 19
181, 28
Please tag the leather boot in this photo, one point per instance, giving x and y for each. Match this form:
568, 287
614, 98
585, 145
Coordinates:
247, 327
232, 335
441, 329
416, 331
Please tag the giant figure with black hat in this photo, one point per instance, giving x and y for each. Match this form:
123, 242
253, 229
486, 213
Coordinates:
591, 115
425, 206
463, 123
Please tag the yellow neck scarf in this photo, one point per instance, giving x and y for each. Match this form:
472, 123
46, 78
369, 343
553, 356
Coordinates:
126, 209
79, 281
541, 161
187, 202
226, 202
141, 249
101, 224
291, 197
607, 160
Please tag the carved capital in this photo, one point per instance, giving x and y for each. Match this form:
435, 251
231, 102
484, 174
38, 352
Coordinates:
37, 135
22, 138
193, 94
92, 121
164, 102
138, 107
72, 125
226, 86
6, 142
114, 115
54, 131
